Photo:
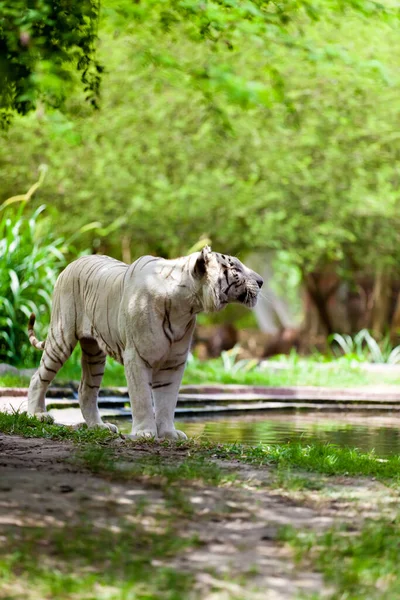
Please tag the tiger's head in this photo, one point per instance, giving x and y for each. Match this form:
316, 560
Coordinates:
225, 279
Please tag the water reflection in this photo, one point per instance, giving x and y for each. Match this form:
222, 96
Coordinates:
365, 431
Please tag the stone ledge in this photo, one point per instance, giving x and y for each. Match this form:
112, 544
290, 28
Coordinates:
382, 393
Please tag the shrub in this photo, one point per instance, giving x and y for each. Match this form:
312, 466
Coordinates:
363, 347
30, 260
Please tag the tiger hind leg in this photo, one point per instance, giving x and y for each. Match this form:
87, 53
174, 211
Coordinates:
93, 365
56, 351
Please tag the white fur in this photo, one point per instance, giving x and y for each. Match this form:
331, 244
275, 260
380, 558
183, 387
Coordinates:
143, 315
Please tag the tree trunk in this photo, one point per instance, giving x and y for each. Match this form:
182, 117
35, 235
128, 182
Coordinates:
395, 324
381, 302
126, 249
320, 300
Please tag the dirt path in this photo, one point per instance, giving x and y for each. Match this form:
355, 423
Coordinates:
41, 484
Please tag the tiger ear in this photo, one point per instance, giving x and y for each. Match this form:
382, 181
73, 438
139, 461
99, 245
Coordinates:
200, 267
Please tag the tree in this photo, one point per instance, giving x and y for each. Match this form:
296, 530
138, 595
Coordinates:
164, 162
40, 44
158, 162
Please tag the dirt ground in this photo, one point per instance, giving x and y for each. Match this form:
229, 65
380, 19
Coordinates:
237, 523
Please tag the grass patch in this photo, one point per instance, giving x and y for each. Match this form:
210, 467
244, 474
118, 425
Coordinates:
87, 561
114, 375
287, 479
326, 459
71, 371
360, 565
11, 380
20, 423
300, 372
100, 457
190, 467
167, 473
314, 371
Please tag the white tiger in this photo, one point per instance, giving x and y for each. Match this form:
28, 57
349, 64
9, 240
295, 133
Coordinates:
143, 315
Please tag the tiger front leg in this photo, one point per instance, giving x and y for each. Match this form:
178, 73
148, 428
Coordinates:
166, 386
139, 374
93, 365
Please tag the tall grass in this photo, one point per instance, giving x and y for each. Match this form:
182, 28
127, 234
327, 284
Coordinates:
30, 260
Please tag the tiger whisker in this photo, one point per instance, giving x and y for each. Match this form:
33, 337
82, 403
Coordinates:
266, 298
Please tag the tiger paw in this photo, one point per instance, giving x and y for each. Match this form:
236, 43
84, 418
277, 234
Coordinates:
140, 434
113, 428
45, 417
172, 434
110, 426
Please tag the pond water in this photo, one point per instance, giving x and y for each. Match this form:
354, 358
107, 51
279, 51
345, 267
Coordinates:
365, 431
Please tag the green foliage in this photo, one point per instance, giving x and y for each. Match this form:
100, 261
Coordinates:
363, 347
340, 372
30, 260
71, 371
295, 371
307, 173
14, 381
223, 30
172, 150
231, 365
40, 45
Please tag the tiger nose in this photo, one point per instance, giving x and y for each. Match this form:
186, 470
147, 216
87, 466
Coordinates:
260, 282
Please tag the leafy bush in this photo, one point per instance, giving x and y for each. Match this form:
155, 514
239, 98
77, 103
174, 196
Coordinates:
363, 347
233, 366
38, 51
30, 260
